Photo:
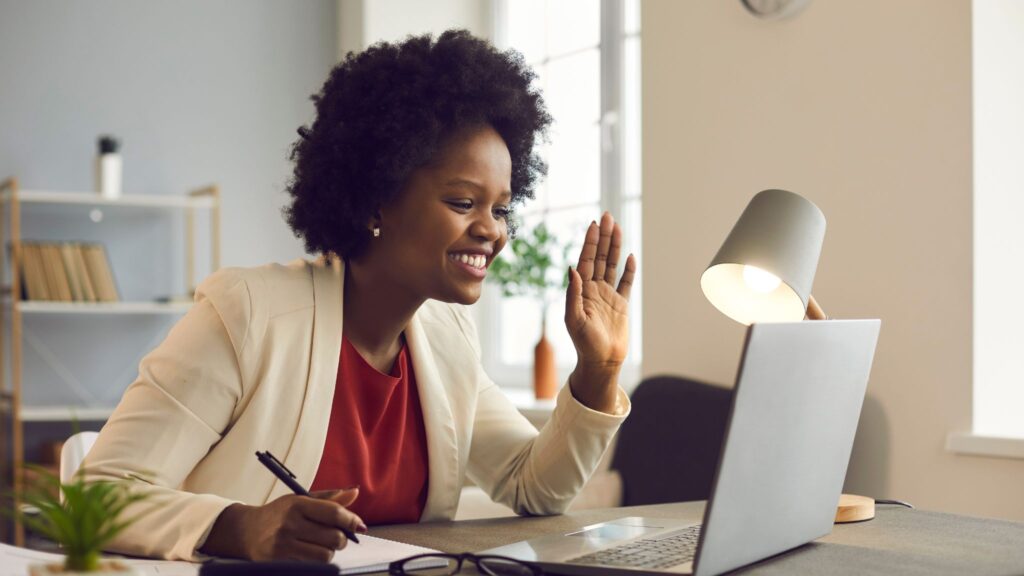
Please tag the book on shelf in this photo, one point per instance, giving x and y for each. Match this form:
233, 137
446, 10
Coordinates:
88, 291
66, 272
33, 278
98, 266
74, 282
57, 278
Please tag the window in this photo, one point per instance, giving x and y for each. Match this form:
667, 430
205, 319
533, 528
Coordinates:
998, 55
998, 239
587, 57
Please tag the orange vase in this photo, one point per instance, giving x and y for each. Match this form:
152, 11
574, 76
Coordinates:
545, 376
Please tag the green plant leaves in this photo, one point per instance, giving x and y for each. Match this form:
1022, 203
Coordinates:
531, 270
87, 520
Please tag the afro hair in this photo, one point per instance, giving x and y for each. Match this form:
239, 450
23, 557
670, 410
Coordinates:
387, 111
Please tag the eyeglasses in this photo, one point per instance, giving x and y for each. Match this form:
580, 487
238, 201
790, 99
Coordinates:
448, 564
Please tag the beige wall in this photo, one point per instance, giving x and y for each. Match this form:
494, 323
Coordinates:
865, 108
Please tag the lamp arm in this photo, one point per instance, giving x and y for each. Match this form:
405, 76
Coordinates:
814, 312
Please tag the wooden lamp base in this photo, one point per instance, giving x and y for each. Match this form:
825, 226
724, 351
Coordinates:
854, 508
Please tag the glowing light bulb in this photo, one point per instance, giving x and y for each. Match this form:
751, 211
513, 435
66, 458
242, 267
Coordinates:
759, 280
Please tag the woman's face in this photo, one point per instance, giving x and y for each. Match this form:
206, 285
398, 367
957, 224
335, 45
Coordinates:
450, 221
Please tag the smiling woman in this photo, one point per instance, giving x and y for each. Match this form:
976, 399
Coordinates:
361, 369
438, 236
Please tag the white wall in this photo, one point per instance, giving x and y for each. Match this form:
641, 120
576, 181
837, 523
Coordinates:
199, 92
363, 22
865, 108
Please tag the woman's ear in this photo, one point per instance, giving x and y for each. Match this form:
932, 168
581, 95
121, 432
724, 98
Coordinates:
374, 225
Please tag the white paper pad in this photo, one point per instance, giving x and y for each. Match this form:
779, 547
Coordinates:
15, 561
374, 555
370, 555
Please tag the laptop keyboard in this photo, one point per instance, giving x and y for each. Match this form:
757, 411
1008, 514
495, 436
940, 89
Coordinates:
663, 552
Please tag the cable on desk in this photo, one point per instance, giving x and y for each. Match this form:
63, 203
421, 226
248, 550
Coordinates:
896, 503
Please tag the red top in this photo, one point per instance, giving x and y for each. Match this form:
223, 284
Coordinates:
376, 440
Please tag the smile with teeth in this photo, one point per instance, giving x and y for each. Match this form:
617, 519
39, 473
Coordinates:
475, 260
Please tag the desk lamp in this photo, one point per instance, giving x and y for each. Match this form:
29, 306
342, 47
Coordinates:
763, 273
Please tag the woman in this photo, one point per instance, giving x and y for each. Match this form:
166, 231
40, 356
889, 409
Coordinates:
361, 370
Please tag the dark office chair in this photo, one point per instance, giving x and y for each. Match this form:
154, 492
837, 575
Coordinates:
668, 448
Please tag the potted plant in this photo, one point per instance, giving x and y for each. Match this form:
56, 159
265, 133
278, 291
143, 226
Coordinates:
536, 266
88, 518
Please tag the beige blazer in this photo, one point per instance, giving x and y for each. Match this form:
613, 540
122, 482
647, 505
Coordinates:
252, 366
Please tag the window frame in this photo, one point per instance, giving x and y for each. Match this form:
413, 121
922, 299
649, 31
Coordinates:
996, 126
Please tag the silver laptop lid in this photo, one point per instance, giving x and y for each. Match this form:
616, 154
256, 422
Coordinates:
797, 401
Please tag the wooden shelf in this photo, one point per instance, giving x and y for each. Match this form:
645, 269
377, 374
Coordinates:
64, 413
53, 205
94, 199
47, 307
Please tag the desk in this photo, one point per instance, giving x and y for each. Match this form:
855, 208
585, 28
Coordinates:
897, 541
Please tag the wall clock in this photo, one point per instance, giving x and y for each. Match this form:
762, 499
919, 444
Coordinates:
775, 9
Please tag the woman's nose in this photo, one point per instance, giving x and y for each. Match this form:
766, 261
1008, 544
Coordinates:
486, 227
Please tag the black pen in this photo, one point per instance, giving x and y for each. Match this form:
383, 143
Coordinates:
286, 476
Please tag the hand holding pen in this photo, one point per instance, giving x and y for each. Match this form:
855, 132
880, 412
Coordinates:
285, 475
309, 529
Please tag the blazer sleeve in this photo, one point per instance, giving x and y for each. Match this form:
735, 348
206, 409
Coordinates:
529, 471
170, 417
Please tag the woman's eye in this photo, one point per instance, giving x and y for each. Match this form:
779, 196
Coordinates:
460, 205
502, 213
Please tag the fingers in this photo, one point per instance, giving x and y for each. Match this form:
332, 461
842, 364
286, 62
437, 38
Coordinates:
320, 535
599, 258
613, 255
604, 241
305, 528
574, 298
346, 496
626, 282
330, 513
343, 496
306, 552
585, 267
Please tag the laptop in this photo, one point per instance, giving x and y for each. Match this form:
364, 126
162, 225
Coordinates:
795, 407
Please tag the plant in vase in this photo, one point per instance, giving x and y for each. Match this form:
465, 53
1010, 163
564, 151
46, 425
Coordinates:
528, 267
88, 518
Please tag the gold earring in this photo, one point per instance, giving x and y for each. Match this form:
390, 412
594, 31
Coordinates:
376, 231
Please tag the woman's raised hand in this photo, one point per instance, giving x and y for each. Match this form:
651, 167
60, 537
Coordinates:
597, 315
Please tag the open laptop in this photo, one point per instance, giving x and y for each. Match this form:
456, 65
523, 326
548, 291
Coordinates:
797, 400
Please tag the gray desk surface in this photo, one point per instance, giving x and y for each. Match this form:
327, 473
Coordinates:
897, 541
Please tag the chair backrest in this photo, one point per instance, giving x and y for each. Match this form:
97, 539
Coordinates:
73, 452
668, 448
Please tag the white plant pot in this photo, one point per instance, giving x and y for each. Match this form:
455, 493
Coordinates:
106, 568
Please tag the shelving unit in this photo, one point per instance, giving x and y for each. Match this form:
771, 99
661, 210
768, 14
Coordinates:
103, 307
12, 201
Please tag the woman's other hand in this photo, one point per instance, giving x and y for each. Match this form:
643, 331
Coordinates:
597, 315
305, 528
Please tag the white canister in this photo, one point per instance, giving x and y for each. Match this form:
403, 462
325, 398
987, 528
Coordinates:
108, 169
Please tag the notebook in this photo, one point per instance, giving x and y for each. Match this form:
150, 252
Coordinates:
373, 554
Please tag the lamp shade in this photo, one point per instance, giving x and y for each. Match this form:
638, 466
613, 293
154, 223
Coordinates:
765, 268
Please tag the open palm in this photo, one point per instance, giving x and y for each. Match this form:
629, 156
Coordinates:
596, 310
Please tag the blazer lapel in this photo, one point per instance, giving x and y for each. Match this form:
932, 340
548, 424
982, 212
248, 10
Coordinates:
442, 446
303, 457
